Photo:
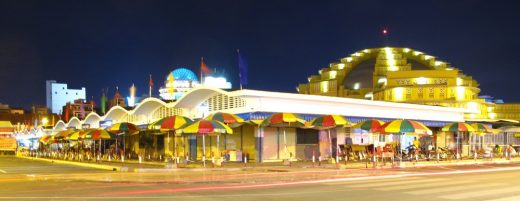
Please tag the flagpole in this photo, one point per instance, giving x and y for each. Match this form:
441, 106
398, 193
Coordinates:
239, 73
150, 87
201, 62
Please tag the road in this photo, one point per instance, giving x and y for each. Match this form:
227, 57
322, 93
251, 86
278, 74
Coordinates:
33, 180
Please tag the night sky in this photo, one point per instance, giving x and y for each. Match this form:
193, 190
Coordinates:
104, 44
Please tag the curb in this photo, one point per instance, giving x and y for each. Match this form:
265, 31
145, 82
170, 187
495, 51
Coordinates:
96, 166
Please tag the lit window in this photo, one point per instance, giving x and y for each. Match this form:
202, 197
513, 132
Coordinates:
421, 80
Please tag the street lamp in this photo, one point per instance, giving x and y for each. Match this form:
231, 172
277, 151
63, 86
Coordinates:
45, 121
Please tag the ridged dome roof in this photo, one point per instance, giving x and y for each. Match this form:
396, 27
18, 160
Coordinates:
182, 74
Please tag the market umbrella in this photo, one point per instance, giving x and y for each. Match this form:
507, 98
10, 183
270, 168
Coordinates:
404, 127
169, 124
481, 129
99, 134
45, 139
370, 125
284, 120
123, 128
458, 127
61, 135
83, 134
328, 122
229, 119
206, 127
74, 135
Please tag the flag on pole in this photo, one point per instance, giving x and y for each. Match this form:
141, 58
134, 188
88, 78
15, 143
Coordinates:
103, 102
242, 67
203, 68
150, 84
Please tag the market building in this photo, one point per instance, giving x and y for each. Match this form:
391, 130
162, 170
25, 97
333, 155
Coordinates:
405, 75
265, 143
381, 83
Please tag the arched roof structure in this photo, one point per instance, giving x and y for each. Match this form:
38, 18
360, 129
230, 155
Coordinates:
74, 122
115, 113
92, 119
60, 125
264, 101
147, 106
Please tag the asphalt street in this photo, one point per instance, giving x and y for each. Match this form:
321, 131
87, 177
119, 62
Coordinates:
22, 179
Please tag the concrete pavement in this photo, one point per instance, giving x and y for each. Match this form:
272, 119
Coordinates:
31, 179
155, 166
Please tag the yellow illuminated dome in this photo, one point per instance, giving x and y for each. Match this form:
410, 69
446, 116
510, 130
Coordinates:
399, 75
177, 83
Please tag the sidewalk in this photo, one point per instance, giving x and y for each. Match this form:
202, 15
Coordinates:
155, 166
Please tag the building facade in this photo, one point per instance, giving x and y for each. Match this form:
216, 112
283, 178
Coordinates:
58, 94
263, 143
78, 108
408, 76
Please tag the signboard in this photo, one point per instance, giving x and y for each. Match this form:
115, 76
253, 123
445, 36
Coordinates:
105, 124
85, 126
8, 144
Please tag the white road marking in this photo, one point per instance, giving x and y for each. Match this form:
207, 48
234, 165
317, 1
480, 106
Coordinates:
480, 193
403, 181
454, 188
425, 186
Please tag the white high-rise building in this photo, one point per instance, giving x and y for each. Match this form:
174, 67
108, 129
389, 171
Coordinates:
58, 95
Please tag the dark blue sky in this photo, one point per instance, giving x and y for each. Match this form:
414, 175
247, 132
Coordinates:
100, 44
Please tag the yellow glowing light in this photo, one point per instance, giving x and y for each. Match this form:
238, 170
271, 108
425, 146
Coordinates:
45, 121
390, 60
369, 95
427, 57
324, 86
490, 109
332, 74
449, 68
459, 81
492, 115
406, 50
356, 86
398, 93
473, 106
416, 53
341, 66
382, 80
438, 63
460, 93
366, 50
421, 80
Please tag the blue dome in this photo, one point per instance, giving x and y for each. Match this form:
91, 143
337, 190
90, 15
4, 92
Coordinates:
183, 74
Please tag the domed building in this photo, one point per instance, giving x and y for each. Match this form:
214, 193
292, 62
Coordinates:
401, 75
178, 82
